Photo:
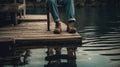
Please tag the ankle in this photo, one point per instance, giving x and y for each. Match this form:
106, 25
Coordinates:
70, 24
57, 29
57, 24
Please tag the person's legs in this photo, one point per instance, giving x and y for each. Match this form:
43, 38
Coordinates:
53, 9
70, 10
69, 7
55, 14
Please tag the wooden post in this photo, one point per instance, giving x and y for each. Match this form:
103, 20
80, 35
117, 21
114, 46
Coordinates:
24, 10
15, 15
15, 1
48, 18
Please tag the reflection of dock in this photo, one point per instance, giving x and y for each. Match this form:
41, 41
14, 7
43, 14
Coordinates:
55, 57
35, 34
14, 58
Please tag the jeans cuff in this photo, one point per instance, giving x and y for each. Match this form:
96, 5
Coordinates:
71, 19
57, 20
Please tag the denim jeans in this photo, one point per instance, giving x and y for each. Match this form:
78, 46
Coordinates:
68, 5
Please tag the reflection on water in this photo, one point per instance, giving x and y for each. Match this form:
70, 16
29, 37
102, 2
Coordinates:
100, 30
55, 59
14, 58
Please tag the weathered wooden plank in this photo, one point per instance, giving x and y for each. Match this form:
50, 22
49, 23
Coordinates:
33, 18
4, 40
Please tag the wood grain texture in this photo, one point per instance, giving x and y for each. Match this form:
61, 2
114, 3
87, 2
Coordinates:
36, 34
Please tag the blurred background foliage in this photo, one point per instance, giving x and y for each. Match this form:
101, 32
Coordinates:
82, 3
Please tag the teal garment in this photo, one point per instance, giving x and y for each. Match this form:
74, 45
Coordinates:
68, 5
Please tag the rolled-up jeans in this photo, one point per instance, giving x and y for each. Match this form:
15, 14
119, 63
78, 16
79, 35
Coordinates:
68, 5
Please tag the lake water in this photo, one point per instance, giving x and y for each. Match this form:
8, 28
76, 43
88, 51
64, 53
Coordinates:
100, 31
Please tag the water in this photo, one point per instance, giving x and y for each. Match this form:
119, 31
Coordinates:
100, 31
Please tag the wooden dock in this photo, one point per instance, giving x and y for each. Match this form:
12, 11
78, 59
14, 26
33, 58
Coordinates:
35, 35
31, 17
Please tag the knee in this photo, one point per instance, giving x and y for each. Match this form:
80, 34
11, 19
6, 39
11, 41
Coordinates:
70, 1
51, 1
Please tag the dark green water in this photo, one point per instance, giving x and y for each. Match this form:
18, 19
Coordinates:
100, 30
